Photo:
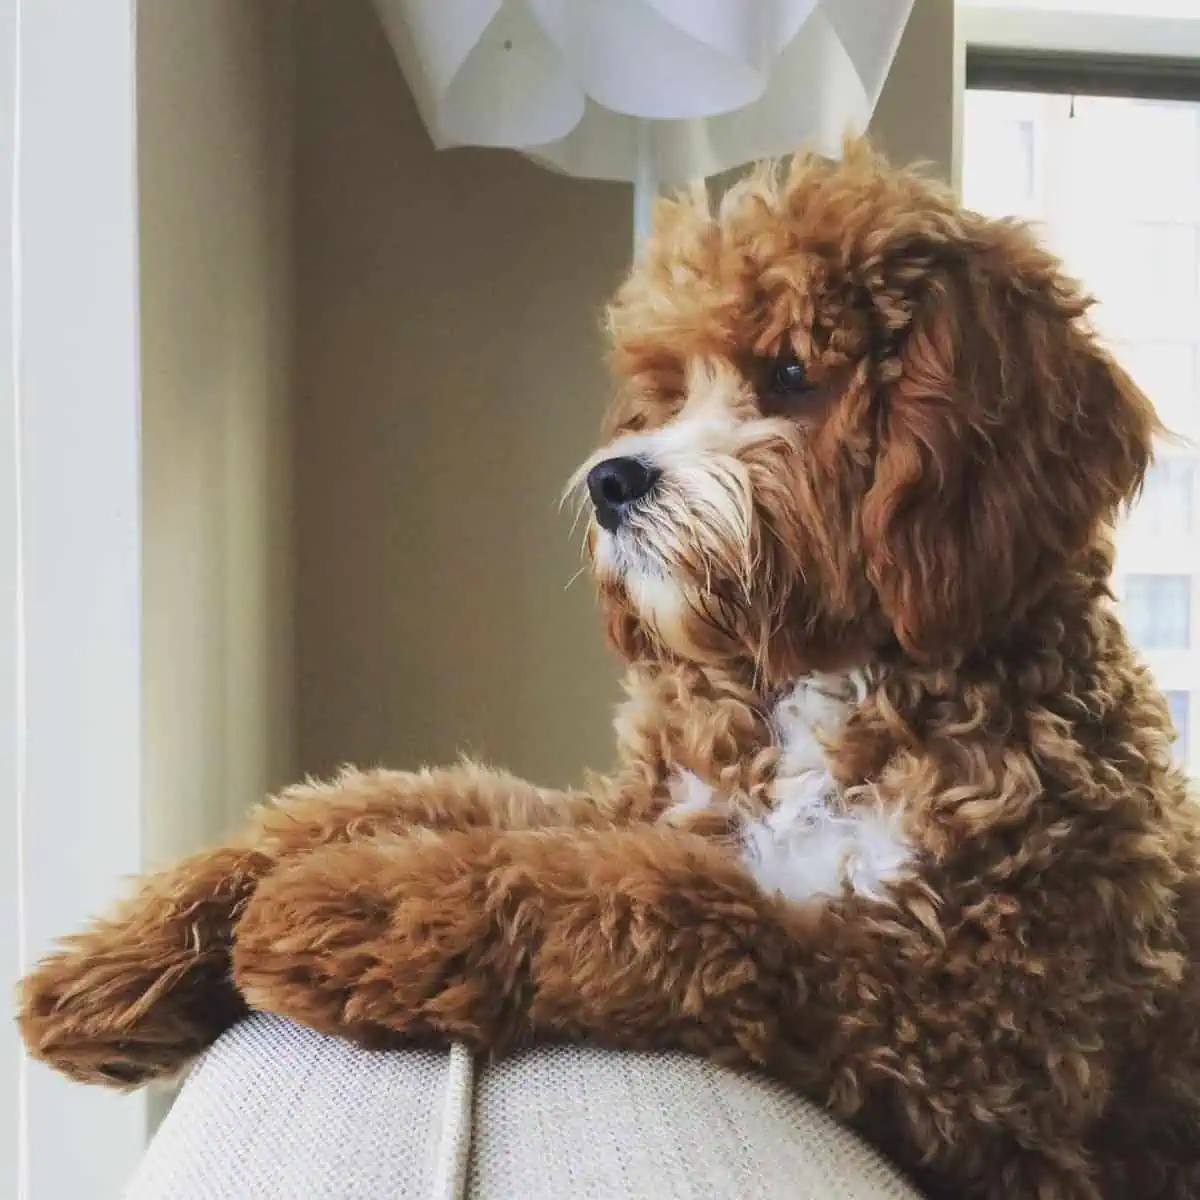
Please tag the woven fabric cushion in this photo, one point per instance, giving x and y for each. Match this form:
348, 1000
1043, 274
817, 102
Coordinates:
277, 1112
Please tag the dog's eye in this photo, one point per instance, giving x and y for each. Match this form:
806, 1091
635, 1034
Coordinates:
785, 386
789, 376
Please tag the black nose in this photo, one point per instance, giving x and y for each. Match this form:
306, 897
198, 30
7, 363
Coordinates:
617, 483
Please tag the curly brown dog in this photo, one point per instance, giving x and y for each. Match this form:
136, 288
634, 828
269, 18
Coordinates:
894, 818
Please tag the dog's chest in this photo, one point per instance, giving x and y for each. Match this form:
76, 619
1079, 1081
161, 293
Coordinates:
811, 843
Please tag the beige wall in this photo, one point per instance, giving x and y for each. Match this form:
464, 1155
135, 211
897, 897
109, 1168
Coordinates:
214, 121
448, 380
915, 118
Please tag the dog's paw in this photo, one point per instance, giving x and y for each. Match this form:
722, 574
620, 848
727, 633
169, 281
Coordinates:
120, 1015
139, 994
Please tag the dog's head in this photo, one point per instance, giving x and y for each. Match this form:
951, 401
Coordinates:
851, 418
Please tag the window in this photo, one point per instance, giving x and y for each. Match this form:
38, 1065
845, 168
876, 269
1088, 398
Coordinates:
1148, 126
1180, 705
1167, 505
1166, 372
1112, 184
1161, 256
1158, 611
1153, 257
1003, 165
1024, 161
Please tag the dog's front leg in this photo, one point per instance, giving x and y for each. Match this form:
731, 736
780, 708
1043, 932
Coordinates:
143, 990
633, 937
356, 805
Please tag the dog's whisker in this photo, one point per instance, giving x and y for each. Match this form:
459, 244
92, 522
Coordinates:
577, 484
580, 510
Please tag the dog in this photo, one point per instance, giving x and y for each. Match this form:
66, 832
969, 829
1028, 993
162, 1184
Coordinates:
894, 816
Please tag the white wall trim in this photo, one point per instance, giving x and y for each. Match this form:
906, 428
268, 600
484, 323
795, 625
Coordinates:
69, 545
12, 1104
1072, 30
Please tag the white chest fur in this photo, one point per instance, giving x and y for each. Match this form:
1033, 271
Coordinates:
810, 845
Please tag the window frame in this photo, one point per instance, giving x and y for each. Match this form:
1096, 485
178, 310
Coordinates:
1079, 73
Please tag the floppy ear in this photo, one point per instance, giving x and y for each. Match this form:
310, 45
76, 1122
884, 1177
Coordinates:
1006, 437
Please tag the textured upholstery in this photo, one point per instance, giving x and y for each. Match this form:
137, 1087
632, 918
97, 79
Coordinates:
277, 1112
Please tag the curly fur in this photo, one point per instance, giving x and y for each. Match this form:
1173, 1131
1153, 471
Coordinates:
1007, 1000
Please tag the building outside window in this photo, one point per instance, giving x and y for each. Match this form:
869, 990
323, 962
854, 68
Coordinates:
1132, 236
1158, 611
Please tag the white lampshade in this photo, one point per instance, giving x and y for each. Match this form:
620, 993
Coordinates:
650, 91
